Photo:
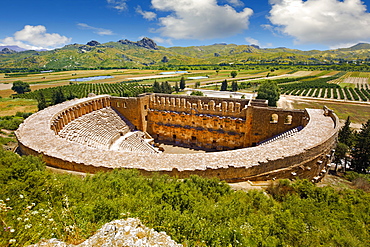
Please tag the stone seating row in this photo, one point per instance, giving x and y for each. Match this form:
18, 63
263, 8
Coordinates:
98, 129
136, 142
281, 136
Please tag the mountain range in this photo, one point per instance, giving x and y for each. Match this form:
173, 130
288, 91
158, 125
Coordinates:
145, 52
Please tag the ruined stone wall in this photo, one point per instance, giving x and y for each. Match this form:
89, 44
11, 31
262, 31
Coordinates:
197, 130
214, 123
267, 122
134, 109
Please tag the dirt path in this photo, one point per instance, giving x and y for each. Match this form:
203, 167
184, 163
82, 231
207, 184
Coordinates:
285, 102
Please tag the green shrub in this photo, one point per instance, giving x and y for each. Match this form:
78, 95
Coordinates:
36, 204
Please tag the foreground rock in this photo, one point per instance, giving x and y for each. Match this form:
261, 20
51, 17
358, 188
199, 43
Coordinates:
130, 232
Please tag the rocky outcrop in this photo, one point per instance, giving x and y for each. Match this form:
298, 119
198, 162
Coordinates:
144, 43
93, 43
255, 46
7, 51
130, 232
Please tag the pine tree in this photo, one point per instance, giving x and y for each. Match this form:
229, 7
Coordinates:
270, 91
361, 151
224, 85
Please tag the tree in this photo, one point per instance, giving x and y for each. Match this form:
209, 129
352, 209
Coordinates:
41, 102
234, 86
166, 87
57, 96
156, 87
340, 154
182, 83
71, 95
197, 84
346, 135
224, 85
270, 91
177, 89
21, 87
197, 93
164, 59
233, 74
361, 151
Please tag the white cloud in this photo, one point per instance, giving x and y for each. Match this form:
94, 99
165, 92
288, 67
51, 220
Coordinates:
97, 30
328, 22
162, 40
200, 19
236, 3
146, 14
252, 41
35, 37
119, 5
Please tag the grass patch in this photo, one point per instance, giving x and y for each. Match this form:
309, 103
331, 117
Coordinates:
12, 106
342, 85
359, 113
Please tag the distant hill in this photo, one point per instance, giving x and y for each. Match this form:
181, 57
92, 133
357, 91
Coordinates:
145, 52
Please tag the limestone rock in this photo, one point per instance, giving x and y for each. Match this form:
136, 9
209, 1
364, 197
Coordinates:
93, 43
145, 43
130, 232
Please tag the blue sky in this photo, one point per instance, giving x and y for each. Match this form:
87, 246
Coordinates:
297, 24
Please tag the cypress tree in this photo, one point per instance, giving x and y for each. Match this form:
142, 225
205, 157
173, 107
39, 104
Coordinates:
41, 102
182, 83
234, 86
224, 85
156, 87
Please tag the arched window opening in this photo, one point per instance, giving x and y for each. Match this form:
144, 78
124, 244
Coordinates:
274, 118
288, 119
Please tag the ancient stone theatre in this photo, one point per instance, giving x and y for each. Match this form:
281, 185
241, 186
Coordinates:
243, 139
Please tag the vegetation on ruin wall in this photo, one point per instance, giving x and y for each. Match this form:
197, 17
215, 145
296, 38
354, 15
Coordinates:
37, 204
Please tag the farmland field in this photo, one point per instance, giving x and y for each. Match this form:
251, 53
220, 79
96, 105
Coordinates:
314, 85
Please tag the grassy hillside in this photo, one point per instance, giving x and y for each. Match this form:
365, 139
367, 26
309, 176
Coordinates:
131, 55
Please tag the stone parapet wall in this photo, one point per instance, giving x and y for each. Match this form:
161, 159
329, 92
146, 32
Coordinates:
305, 154
199, 105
